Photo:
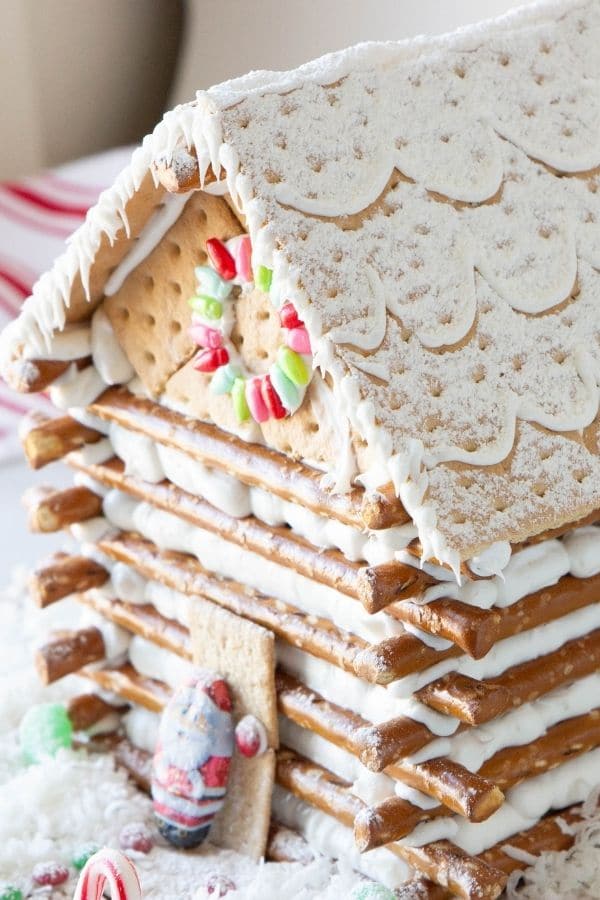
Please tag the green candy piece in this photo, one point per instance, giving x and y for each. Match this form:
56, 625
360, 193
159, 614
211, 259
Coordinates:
207, 306
293, 366
83, 854
372, 890
286, 390
238, 396
8, 892
263, 278
223, 379
211, 284
44, 730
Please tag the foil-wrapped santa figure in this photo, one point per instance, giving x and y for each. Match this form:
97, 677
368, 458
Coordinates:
191, 762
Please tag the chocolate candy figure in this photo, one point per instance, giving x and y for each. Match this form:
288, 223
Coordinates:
191, 762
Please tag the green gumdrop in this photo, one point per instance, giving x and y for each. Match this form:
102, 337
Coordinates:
263, 278
8, 892
44, 729
372, 890
83, 854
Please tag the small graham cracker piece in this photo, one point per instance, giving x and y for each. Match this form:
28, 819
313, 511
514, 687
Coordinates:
244, 654
150, 312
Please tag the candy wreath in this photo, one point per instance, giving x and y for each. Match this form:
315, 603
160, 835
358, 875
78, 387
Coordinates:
280, 391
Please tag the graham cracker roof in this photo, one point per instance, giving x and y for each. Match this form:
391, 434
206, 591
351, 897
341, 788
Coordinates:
431, 208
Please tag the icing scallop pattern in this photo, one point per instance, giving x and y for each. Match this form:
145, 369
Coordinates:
436, 221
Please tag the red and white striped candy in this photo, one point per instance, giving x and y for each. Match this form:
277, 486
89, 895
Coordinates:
108, 869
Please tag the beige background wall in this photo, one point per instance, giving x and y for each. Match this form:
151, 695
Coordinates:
225, 38
80, 75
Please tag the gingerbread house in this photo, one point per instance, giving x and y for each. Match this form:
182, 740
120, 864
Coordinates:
327, 360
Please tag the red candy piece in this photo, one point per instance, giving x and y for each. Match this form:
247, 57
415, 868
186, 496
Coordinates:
250, 736
204, 336
50, 874
221, 258
215, 771
218, 885
219, 694
289, 317
271, 398
136, 837
211, 360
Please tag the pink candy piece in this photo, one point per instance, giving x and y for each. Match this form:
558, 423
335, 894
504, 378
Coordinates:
108, 869
204, 336
243, 258
288, 316
221, 258
211, 360
297, 339
136, 836
254, 399
50, 874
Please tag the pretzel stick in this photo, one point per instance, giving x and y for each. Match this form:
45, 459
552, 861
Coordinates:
317, 786
45, 440
67, 652
137, 763
546, 836
86, 710
30, 376
184, 573
529, 680
468, 877
461, 791
389, 582
567, 595
252, 464
51, 510
130, 685
454, 786
561, 742
279, 544
60, 575
473, 702
476, 630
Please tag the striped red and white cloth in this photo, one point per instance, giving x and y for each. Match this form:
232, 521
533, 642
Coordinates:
37, 214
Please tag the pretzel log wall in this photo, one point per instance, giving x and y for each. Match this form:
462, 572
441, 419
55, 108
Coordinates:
326, 366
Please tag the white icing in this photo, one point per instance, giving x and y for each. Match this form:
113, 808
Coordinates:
273, 579
333, 839
154, 231
153, 462
107, 354
72, 343
492, 560
531, 569
76, 387
570, 783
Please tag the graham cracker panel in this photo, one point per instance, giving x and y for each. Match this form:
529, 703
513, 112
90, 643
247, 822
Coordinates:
138, 211
150, 312
244, 654
547, 481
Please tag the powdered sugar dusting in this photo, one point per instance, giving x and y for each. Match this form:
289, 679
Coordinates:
406, 196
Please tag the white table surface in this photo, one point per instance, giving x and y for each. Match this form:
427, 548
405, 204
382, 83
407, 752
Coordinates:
17, 545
